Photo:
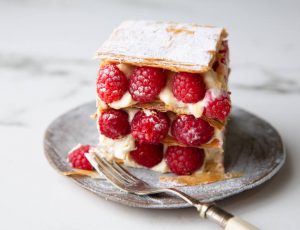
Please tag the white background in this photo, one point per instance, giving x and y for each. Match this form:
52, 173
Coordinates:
46, 68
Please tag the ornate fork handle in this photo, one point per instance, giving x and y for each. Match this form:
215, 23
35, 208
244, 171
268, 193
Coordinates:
214, 213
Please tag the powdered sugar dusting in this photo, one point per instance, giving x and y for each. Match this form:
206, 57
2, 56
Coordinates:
166, 44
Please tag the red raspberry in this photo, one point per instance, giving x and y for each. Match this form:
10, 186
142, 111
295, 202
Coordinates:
147, 155
145, 83
184, 160
150, 127
218, 108
111, 83
188, 87
191, 131
114, 123
77, 158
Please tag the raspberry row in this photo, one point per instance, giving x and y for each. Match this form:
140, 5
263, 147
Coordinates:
152, 127
145, 83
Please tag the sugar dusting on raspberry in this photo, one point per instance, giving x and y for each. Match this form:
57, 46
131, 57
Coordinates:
184, 160
218, 108
191, 131
188, 87
77, 157
145, 83
111, 83
114, 123
150, 126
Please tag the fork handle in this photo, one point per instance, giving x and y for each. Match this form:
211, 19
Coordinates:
236, 223
212, 212
225, 219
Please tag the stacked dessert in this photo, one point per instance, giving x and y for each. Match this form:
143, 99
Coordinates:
163, 100
162, 93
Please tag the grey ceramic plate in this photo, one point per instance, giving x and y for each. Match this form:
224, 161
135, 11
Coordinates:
252, 147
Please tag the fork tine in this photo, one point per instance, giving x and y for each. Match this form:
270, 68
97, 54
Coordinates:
108, 167
115, 170
101, 168
125, 172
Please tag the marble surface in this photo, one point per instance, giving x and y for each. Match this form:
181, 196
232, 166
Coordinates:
46, 68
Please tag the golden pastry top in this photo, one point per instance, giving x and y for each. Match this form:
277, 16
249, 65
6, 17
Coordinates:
173, 46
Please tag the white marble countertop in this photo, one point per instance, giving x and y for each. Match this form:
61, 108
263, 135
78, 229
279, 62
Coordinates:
46, 68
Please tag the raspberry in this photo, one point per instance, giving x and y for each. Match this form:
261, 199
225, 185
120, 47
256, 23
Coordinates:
111, 83
188, 87
77, 158
218, 108
114, 123
147, 155
191, 131
184, 160
146, 83
150, 126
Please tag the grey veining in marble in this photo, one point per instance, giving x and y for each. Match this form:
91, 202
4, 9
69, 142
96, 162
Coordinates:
280, 81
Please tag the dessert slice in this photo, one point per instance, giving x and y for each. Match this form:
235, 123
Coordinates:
163, 100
